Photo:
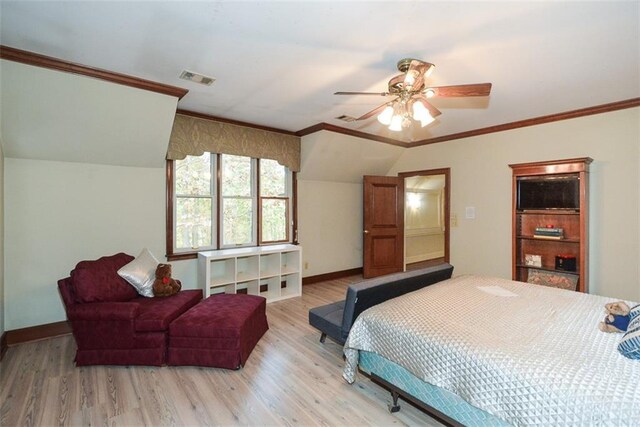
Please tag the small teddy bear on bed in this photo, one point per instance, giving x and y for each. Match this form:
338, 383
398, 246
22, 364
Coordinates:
617, 318
164, 285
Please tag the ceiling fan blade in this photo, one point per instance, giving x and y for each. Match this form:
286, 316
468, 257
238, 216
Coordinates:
373, 112
417, 71
478, 89
363, 93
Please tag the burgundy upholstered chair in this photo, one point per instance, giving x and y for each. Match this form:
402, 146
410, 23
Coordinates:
111, 323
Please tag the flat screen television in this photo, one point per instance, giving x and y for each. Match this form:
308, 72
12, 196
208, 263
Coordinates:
548, 192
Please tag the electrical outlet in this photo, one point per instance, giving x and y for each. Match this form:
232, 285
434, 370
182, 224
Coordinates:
454, 220
306, 265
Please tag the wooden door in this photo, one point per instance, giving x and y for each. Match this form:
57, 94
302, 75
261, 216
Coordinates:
383, 221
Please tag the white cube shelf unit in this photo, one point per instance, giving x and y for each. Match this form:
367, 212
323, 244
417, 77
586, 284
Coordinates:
271, 271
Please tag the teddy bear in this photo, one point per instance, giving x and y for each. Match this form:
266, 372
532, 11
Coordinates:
164, 285
617, 318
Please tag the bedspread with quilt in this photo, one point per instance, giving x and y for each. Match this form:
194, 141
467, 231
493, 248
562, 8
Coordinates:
528, 354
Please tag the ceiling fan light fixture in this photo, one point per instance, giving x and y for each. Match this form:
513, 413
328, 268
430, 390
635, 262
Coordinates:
410, 78
429, 70
429, 93
386, 115
406, 122
421, 114
396, 123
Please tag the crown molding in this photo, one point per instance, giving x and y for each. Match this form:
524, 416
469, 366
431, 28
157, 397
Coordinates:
234, 122
588, 111
350, 132
35, 59
598, 109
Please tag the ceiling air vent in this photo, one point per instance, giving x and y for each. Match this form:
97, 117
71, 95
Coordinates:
196, 78
346, 118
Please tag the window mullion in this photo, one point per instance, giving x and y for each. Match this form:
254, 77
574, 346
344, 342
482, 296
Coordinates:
218, 178
257, 209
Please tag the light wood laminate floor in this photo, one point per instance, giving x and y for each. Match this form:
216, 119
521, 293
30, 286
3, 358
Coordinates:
289, 379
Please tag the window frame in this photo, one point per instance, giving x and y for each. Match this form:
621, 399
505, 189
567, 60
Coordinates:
287, 213
289, 180
213, 196
292, 211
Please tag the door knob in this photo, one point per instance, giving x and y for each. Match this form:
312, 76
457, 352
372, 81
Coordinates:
366, 231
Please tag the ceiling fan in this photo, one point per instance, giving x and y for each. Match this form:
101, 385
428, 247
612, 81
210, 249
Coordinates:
411, 93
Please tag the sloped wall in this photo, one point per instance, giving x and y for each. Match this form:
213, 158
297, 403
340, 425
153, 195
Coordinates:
2, 299
330, 198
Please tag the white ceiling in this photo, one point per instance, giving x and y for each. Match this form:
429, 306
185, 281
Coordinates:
278, 63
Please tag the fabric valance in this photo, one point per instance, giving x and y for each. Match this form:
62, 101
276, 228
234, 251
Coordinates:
193, 136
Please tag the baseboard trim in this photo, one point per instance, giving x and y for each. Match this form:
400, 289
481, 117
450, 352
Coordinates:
35, 333
3, 344
50, 330
331, 276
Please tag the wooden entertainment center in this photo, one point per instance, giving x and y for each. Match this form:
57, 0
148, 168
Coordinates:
550, 229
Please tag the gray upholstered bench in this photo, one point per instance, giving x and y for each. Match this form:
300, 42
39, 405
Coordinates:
335, 319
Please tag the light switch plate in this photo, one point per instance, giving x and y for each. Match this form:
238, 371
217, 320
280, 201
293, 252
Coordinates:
470, 212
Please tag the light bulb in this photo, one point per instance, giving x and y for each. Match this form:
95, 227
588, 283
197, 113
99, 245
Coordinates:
429, 93
426, 121
396, 123
386, 115
409, 79
421, 114
429, 70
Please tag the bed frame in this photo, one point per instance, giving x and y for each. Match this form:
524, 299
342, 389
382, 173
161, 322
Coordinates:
397, 392
440, 404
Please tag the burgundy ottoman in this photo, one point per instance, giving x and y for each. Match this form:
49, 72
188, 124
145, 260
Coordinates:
219, 332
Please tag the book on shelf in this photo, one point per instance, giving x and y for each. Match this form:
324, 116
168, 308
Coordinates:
549, 230
540, 236
549, 235
555, 232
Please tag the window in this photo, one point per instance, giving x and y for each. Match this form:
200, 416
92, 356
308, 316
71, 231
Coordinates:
274, 202
223, 201
194, 203
238, 201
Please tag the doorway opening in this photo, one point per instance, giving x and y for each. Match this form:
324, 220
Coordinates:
426, 217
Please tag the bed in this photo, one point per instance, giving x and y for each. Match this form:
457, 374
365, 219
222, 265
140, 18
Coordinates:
489, 351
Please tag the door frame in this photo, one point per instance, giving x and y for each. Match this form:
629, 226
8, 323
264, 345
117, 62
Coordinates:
447, 200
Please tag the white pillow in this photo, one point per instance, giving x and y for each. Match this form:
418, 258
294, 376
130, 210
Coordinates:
141, 273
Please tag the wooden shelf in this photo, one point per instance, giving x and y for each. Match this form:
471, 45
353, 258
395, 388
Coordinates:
573, 222
549, 240
548, 269
549, 212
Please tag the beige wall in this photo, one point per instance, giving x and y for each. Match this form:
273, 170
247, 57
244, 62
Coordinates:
2, 305
330, 197
60, 213
481, 178
330, 226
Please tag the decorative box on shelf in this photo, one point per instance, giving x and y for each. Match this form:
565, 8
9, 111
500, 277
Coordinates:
273, 272
531, 260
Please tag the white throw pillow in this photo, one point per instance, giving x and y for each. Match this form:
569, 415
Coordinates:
141, 273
